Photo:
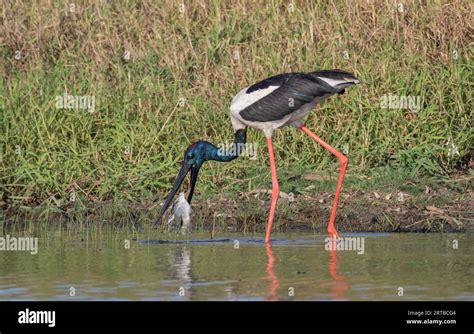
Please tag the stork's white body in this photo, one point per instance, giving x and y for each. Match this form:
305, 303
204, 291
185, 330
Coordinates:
245, 99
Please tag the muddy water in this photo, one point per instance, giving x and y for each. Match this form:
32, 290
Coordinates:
236, 267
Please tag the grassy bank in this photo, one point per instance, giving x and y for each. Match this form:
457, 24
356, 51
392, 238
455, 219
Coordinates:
163, 77
383, 200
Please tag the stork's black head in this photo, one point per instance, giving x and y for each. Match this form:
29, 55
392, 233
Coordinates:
196, 154
199, 152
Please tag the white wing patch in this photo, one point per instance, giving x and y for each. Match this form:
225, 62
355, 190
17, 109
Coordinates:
334, 83
242, 100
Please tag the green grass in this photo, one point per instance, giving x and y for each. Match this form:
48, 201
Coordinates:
131, 146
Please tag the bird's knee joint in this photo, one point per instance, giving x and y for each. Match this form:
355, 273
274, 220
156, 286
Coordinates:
344, 160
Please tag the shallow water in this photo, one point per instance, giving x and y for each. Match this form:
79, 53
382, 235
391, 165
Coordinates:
236, 267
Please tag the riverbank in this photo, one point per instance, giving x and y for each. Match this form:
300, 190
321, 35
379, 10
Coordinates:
368, 204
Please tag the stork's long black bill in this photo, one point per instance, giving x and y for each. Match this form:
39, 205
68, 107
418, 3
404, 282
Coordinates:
194, 175
179, 180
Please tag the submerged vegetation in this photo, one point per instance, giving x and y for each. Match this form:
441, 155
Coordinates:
144, 79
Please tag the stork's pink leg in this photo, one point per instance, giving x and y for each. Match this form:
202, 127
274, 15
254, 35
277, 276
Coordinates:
275, 189
343, 160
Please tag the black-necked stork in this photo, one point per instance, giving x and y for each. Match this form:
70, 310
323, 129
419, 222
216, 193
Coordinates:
279, 101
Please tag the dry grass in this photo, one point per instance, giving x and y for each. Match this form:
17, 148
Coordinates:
206, 54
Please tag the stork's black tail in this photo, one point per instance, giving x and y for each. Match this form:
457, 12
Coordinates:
337, 79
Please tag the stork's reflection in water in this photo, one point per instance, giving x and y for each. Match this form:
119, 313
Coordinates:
272, 277
338, 284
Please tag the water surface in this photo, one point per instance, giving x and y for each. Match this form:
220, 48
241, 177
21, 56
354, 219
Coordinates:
237, 267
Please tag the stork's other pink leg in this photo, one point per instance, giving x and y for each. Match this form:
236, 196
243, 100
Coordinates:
343, 161
275, 189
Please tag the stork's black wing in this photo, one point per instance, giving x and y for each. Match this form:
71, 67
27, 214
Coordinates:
296, 90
